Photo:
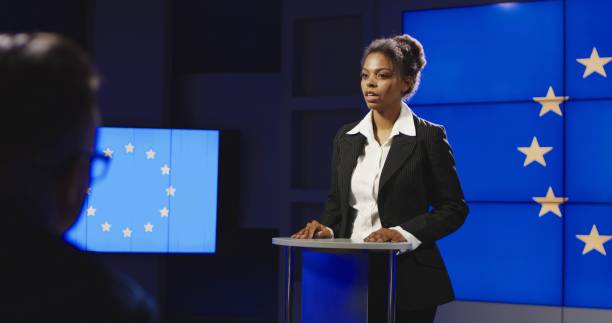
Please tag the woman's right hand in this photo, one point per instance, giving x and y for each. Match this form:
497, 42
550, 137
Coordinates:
313, 229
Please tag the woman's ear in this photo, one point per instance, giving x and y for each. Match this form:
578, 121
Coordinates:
407, 85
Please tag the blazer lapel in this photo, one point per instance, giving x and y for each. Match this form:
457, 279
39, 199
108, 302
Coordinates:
401, 148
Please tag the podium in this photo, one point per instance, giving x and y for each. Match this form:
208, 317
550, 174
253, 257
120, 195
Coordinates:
335, 278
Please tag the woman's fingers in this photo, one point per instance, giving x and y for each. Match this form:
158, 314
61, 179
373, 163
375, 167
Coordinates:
323, 233
310, 230
373, 237
307, 231
299, 234
381, 235
315, 227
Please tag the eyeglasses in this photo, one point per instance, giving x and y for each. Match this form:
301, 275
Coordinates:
99, 166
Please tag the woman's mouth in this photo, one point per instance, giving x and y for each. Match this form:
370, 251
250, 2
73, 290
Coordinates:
371, 96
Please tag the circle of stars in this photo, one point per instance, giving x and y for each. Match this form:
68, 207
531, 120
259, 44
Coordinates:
170, 191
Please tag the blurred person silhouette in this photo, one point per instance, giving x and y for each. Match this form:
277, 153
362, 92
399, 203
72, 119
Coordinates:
47, 95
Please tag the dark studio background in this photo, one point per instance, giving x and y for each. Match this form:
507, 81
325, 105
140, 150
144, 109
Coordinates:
279, 76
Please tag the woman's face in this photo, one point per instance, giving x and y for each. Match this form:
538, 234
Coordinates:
381, 84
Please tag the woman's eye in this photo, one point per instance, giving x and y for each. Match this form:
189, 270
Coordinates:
364, 76
383, 76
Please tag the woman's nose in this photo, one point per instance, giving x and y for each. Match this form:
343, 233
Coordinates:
371, 82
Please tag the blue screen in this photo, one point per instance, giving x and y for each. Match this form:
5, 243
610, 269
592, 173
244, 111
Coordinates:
588, 26
159, 193
489, 53
506, 253
587, 271
487, 67
485, 140
588, 173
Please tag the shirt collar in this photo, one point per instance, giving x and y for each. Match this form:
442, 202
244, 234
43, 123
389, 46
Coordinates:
404, 124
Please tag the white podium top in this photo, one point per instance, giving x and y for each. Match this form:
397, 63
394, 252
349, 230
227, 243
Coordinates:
339, 244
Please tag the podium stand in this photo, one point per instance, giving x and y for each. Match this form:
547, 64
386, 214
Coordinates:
335, 270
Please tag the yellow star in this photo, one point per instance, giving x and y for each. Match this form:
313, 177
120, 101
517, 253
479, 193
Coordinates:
593, 241
170, 190
534, 153
550, 203
150, 153
550, 102
106, 226
127, 233
108, 152
91, 211
164, 212
148, 227
129, 148
594, 64
165, 170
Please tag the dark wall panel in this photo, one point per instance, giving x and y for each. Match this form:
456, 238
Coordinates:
313, 134
226, 36
327, 52
68, 17
130, 52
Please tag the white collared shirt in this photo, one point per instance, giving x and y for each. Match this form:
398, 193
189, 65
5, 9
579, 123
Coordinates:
366, 176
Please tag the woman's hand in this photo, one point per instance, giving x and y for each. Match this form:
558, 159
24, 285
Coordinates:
385, 235
313, 229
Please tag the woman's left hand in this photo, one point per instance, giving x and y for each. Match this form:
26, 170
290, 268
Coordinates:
385, 235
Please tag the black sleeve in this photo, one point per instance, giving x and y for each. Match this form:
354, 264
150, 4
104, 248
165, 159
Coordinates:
331, 214
449, 208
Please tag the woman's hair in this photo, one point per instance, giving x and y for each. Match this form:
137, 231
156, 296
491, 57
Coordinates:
407, 56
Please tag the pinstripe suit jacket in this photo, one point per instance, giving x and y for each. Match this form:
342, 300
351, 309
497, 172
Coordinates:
419, 190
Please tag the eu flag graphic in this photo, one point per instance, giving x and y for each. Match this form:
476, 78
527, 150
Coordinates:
159, 193
524, 93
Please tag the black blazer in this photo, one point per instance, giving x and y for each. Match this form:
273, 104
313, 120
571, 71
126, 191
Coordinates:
419, 190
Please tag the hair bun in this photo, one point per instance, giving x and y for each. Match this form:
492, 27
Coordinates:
412, 49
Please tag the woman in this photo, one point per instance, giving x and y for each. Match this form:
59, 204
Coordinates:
394, 179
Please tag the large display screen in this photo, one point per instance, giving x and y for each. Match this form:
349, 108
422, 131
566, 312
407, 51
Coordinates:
524, 93
152, 190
